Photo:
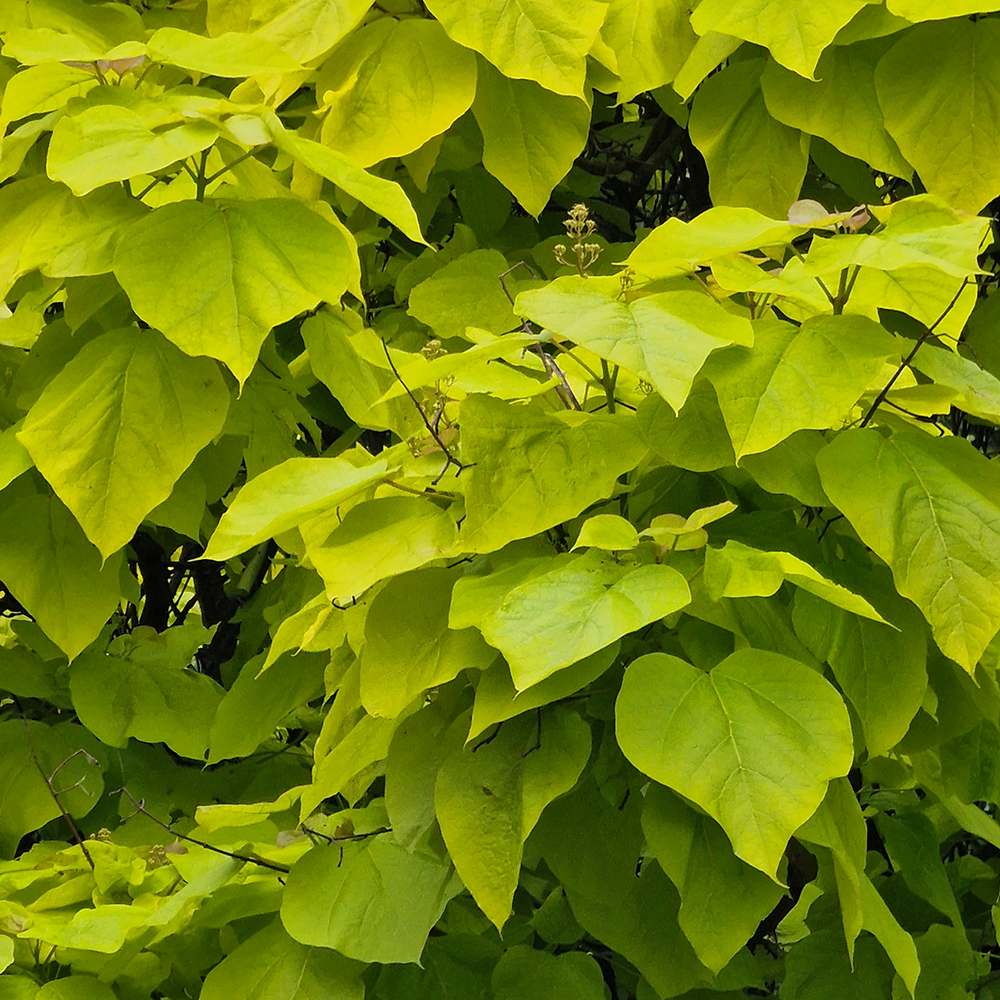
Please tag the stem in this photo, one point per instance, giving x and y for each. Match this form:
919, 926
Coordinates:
608, 380
228, 166
201, 180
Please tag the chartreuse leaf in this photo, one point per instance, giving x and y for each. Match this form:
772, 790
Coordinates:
948, 147
796, 32
723, 899
95, 433
382, 196
790, 467
679, 247
408, 644
696, 437
542, 40
498, 700
25, 801
142, 688
287, 495
269, 965
465, 292
737, 570
215, 277
978, 390
882, 670
303, 28
380, 99
591, 847
797, 378
372, 901
819, 966
731, 127
488, 798
930, 507
753, 742
531, 136
609, 532
932, 10
43, 226
54, 572
65, 30
840, 105
665, 337
316, 627
230, 54
526, 974
382, 538
14, 457
546, 614
514, 489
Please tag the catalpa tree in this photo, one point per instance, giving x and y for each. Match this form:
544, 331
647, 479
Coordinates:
499, 500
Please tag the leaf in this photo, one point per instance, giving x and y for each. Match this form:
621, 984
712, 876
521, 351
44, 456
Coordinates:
384, 197
542, 40
531, 136
465, 292
54, 572
930, 10
948, 146
666, 337
44, 227
111, 402
547, 614
651, 40
380, 100
305, 29
489, 797
269, 965
102, 143
230, 54
498, 700
737, 570
840, 105
796, 378
732, 128
25, 801
929, 508
608, 532
377, 903
409, 646
514, 489
790, 467
142, 688
796, 32
526, 974
723, 899
979, 391
881, 670
753, 742
820, 967
696, 437
285, 496
215, 277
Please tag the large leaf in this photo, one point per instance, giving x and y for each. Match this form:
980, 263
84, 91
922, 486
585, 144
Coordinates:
230, 54
372, 901
51, 568
527, 974
732, 128
530, 135
723, 899
665, 337
795, 378
96, 432
381, 101
269, 965
930, 507
546, 614
215, 277
489, 797
287, 495
542, 40
514, 489
753, 742
946, 123
796, 31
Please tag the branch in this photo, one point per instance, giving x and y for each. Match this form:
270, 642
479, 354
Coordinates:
252, 859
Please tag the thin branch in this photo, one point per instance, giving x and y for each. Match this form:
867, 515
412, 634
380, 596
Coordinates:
905, 363
252, 859
229, 166
344, 838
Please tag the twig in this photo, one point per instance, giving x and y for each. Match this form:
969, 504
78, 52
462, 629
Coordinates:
249, 858
344, 838
905, 363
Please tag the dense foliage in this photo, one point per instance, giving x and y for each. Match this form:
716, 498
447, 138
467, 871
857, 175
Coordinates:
485, 509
